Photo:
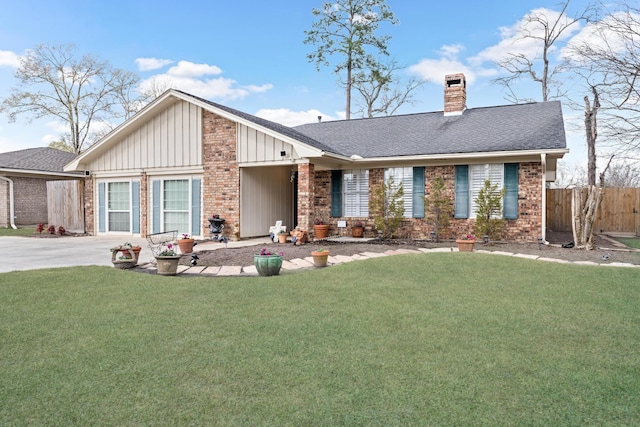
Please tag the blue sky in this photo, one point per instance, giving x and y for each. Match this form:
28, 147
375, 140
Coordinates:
249, 54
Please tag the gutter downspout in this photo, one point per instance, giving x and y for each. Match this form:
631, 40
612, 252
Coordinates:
11, 202
543, 161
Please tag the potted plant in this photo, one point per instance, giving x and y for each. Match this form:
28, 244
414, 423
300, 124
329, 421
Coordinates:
127, 258
186, 243
357, 229
465, 243
167, 260
282, 236
320, 257
125, 251
320, 229
267, 263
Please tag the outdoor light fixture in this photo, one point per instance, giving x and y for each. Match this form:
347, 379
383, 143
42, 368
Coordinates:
540, 240
432, 236
485, 239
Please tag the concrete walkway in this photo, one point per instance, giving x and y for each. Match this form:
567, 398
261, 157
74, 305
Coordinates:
27, 253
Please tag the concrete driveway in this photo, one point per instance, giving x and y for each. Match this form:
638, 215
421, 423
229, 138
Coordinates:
31, 253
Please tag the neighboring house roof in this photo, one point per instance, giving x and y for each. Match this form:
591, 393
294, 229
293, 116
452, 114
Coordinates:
37, 160
535, 126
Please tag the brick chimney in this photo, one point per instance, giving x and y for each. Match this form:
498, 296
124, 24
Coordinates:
455, 94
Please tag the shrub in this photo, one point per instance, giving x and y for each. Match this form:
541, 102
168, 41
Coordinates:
51, 229
387, 206
438, 208
489, 221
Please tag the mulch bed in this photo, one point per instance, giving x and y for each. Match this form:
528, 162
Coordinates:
605, 252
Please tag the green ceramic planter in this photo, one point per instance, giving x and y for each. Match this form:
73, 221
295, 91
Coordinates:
268, 265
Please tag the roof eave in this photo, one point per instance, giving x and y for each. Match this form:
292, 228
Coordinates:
559, 152
43, 174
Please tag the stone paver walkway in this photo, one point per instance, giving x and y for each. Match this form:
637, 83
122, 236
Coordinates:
307, 263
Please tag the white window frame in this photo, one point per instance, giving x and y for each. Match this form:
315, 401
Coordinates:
108, 211
355, 193
164, 211
478, 174
405, 176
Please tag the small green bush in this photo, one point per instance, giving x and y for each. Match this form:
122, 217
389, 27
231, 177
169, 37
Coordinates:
489, 221
387, 206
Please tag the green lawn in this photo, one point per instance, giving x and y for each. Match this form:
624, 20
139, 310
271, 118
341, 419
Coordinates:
431, 339
632, 242
22, 231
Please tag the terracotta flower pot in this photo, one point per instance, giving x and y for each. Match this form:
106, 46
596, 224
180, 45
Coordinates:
320, 258
185, 245
268, 265
136, 252
321, 231
282, 238
357, 231
465, 245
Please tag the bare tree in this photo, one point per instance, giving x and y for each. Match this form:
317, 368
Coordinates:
586, 203
544, 31
154, 87
621, 175
382, 92
346, 28
610, 51
79, 91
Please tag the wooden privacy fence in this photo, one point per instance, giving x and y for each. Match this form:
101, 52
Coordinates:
619, 211
65, 203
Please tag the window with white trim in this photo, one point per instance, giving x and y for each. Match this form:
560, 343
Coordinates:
119, 206
355, 190
175, 205
478, 174
403, 176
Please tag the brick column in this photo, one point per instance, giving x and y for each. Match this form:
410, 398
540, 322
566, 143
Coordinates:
221, 180
144, 208
89, 214
306, 195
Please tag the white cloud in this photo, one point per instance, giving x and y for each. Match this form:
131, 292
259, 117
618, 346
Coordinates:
189, 69
434, 70
524, 37
9, 59
148, 64
292, 118
217, 88
599, 36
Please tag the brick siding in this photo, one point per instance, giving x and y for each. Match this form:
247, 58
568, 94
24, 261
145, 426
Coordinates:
526, 228
221, 180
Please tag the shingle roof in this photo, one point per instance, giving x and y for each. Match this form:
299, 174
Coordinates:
535, 126
36, 159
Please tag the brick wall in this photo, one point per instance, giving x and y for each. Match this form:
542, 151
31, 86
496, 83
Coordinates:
5, 221
306, 193
89, 212
221, 180
526, 228
30, 198
144, 207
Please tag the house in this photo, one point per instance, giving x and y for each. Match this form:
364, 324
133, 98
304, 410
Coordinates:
23, 183
183, 159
